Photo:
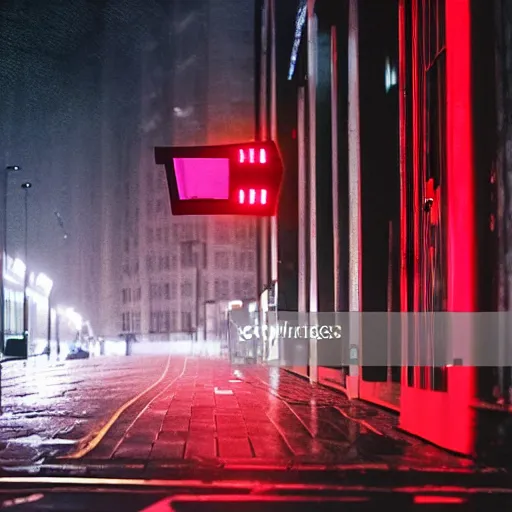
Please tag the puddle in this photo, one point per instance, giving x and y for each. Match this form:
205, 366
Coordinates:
36, 440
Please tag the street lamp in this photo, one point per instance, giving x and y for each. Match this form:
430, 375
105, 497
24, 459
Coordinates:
3, 266
26, 186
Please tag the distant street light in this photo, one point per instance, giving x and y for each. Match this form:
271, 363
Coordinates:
3, 266
26, 186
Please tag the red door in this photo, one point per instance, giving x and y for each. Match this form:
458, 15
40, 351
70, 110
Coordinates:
436, 399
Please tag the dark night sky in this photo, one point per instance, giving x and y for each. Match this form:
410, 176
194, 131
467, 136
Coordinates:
58, 57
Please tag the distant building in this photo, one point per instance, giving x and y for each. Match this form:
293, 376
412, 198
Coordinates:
196, 88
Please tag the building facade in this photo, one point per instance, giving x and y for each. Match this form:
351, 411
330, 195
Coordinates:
392, 121
196, 89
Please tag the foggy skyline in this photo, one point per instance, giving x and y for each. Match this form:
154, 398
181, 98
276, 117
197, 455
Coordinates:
72, 117
55, 58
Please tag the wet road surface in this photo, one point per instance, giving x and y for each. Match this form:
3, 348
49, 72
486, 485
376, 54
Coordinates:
157, 410
49, 408
208, 410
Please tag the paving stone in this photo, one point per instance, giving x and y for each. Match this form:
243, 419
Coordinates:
176, 423
133, 450
270, 446
230, 447
191, 421
202, 426
142, 436
172, 436
201, 445
164, 449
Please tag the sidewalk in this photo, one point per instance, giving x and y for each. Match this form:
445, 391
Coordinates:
216, 411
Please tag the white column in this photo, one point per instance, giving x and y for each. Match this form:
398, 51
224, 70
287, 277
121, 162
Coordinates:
354, 192
301, 140
302, 209
313, 275
274, 255
263, 222
334, 167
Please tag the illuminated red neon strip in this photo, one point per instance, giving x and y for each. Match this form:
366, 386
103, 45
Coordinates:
461, 221
402, 79
415, 178
461, 293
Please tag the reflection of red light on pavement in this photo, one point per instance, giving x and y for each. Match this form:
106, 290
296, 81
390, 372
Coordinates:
263, 198
438, 499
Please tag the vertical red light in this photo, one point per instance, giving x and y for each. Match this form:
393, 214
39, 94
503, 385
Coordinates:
404, 181
461, 220
424, 412
263, 156
241, 156
241, 197
252, 196
263, 197
251, 155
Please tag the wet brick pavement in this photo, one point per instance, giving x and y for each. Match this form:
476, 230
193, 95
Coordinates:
48, 408
216, 411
